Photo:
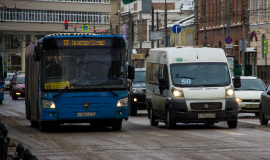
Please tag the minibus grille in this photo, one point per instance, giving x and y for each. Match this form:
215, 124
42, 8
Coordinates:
206, 106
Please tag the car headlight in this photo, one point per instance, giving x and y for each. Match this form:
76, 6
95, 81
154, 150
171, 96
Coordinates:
238, 99
177, 93
122, 102
137, 90
48, 104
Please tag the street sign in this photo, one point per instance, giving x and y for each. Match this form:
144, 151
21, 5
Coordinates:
228, 40
229, 45
265, 46
85, 28
155, 35
176, 29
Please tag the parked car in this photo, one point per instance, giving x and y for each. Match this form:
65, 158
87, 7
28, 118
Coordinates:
248, 95
7, 81
12, 81
137, 91
19, 87
264, 113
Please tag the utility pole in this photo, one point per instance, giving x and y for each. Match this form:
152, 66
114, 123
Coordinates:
243, 37
157, 29
152, 41
130, 40
228, 28
165, 26
119, 15
140, 32
204, 11
196, 23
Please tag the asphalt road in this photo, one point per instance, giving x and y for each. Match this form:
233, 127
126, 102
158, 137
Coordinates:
137, 139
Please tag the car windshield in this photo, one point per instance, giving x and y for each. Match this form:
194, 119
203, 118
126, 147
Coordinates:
21, 80
200, 74
139, 76
251, 84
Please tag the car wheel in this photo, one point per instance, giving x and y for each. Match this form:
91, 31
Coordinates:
152, 118
232, 124
117, 125
263, 121
132, 110
169, 123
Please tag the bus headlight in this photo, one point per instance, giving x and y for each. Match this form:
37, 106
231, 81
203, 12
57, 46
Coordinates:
122, 102
48, 104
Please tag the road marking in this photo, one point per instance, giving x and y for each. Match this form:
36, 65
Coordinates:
158, 134
231, 133
249, 122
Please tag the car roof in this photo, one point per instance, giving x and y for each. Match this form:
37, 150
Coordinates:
140, 69
248, 77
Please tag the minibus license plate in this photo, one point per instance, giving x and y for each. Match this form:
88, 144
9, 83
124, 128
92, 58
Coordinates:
207, 115
86, 114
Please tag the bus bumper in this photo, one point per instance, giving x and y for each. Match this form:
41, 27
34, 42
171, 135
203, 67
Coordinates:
121, 113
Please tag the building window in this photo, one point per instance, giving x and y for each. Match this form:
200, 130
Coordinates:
54, 16
263, 38
150, 29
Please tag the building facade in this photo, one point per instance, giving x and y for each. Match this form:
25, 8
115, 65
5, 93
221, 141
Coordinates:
259, 36
139, 12
24, 21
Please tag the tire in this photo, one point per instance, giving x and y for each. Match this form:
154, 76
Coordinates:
152, 118
232, 124
170, 125
257, 114
263, 121
34, 124
117, 125
132, 110
209, 123
43, 126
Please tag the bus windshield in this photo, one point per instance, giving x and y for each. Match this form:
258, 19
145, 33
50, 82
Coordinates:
200, 74
83, 68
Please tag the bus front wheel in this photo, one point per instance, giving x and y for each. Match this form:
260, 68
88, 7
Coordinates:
117, 125
43, 126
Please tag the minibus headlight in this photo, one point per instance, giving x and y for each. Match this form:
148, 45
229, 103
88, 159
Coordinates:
122, 102
177, 93
230, 92
238, 100
48, 104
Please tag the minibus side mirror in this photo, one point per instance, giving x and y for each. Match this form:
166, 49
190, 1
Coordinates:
37, 53
268, 92
5, 74
163, 84
131, 72
237, 82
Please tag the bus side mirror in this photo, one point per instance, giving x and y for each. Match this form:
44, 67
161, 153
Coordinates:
163, 84
131, 72
5, 74
237, 82
37, 53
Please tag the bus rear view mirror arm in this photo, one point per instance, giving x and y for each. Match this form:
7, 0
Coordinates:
37, 53
131, 72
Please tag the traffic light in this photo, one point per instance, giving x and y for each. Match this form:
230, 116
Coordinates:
66, 24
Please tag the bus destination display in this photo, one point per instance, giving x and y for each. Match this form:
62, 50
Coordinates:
83, 42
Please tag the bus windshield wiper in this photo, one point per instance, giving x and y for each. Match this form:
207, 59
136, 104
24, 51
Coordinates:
54, 96
106, 89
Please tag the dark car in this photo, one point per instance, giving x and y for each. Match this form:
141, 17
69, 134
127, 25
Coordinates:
137, 92
264, 112
13, 79
19, 87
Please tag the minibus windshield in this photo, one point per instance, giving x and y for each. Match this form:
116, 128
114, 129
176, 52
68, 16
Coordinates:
200, 74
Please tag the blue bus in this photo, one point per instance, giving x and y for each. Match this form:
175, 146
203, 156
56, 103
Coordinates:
2, 79
72, 78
